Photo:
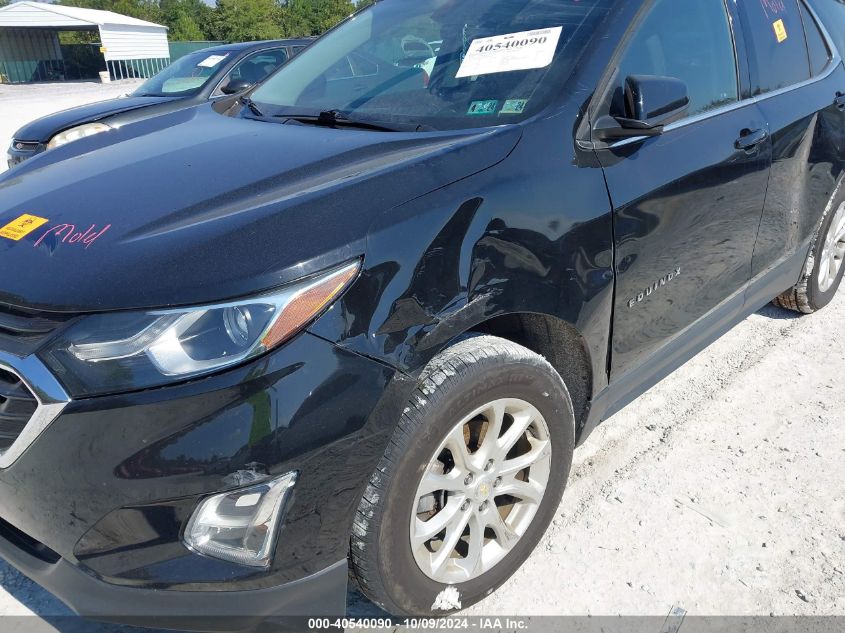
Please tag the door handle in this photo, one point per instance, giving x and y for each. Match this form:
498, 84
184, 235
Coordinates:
749, 139
839, 102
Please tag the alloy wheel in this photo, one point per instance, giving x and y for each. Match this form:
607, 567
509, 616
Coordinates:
480, 491
833, 251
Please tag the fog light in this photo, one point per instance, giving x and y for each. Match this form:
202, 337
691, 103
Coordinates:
241, 525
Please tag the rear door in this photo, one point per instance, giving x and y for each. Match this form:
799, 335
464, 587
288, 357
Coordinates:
799, 84
687, 204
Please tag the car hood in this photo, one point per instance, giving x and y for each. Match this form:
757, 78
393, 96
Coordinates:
194, 207
43, 129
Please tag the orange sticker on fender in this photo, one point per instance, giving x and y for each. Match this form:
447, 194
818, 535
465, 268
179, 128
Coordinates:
780, 31
21, 227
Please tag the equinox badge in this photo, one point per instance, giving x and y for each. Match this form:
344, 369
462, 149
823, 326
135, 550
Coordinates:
653, 288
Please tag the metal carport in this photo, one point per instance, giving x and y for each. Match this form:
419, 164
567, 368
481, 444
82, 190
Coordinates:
30, 48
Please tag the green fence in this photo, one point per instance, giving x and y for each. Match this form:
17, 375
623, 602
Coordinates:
40, 57
180, 49
74, 61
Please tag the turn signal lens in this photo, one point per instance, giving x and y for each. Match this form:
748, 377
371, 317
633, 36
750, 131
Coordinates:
241, 526
308, 303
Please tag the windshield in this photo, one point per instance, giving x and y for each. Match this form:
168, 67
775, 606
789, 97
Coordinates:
442, 64
184, 77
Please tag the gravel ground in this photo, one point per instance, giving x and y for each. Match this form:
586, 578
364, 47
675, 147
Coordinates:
21, 104
719, 492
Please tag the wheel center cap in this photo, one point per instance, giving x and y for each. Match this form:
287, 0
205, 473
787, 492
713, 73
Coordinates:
483, 490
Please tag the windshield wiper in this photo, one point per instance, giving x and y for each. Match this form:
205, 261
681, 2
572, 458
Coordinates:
336, 118
249, 103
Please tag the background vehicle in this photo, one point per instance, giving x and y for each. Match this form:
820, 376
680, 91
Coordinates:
197, 77
391, 300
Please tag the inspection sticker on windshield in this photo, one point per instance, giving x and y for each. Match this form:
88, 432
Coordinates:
483, 107
211, 61
515, 51
22, 226
514, 106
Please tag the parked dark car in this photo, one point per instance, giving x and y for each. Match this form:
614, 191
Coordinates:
360, 316
198, 77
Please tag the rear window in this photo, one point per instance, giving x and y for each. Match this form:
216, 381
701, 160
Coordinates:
832, 14
816, 46
777, 47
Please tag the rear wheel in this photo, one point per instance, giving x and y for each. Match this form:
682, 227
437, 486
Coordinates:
824, 268
470, 481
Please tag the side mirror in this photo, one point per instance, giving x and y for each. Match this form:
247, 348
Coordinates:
235, 86
650, 104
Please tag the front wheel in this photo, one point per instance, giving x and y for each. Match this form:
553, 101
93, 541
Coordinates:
469, 482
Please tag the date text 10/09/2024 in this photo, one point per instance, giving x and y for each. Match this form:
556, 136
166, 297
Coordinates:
431, 624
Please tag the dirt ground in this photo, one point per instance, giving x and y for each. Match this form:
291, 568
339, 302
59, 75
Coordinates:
719, 492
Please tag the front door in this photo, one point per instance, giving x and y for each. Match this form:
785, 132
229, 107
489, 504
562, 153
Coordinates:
687, 204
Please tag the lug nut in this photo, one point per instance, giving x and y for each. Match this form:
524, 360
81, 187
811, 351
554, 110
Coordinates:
465, 506
482, 507
468, 480
489, 466
498, 482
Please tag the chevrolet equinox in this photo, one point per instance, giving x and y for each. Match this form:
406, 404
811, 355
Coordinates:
354, 321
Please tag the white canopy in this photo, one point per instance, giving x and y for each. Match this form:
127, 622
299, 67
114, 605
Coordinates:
122, 37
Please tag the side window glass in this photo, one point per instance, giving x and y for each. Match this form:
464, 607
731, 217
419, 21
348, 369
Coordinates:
777, 47
816, 46
257, 67
688, 40
832, 14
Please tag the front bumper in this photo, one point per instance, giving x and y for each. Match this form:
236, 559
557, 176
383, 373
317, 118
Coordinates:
96, 505
323, 593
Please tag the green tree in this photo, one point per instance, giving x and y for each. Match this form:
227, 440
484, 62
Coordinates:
301, 18
184, 29
3, 3
294, 18
246, 20
187, 19
142, 9
327, 13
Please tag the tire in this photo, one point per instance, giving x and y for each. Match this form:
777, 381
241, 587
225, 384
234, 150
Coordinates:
479, 372
811, 294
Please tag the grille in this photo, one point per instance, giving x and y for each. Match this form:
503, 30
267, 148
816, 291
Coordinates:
17, 405
22, 331
25, 146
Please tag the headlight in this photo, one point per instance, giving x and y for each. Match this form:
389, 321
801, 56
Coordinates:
106, 353
76, 133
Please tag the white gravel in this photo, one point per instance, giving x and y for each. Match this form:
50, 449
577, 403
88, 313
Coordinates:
719, 492
22, 104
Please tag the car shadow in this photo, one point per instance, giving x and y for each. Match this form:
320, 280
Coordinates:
52, 615
771, 311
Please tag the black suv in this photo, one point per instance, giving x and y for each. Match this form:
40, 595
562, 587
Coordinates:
360, 316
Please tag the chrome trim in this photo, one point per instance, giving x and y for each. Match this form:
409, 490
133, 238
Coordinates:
835, 60
51, 397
